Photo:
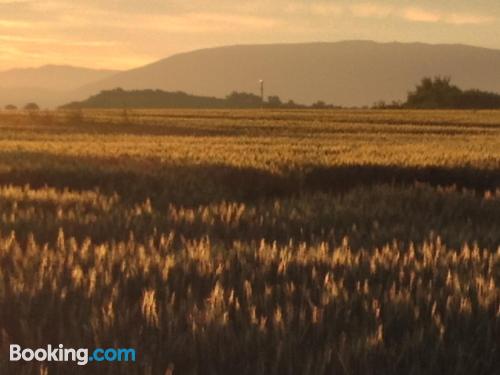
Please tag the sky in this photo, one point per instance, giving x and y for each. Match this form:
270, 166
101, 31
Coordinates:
123, 34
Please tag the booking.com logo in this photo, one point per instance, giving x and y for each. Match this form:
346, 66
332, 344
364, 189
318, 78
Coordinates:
80, 356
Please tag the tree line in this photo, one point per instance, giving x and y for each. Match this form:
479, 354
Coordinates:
26, 107
119, 98
430, 93
440, 93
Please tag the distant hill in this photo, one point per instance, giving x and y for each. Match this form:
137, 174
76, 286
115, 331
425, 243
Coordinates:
119, 98
350, 73
48, 85
52, 77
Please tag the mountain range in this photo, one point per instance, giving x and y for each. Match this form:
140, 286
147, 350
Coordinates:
49, 85
349, 73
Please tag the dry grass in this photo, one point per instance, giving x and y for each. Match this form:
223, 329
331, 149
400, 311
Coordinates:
253, 242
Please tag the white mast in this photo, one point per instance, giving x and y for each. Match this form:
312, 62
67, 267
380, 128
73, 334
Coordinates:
261, 81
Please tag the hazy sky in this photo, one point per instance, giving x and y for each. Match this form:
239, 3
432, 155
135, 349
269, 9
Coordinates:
128, 33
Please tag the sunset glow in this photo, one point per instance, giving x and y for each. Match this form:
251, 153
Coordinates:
126, 34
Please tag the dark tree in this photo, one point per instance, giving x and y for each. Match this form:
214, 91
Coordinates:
291, 104
31, 107
10, 107
440, 93
243, 100
434, 93
319, 105
274, 102
475, 99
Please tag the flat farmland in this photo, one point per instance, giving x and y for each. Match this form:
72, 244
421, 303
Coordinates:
254, 242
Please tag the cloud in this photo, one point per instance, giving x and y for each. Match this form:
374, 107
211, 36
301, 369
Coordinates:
467, 19
417, 14
56, 41
371, 10
189, 22
14, 24
327, 9
92, 35
194, 23
421, 15
383, 10
136, 31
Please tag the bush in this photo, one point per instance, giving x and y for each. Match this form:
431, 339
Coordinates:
439, 93
31, 107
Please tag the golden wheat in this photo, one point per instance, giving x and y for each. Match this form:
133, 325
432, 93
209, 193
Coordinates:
253, 242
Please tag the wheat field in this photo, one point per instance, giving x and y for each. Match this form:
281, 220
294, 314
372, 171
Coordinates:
253, 242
